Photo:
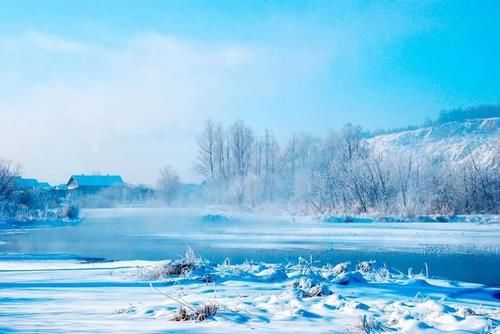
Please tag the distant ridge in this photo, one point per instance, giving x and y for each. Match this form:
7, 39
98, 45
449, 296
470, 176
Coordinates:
451, 141
482, 111
478, 112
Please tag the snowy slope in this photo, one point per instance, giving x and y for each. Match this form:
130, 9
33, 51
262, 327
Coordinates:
453, 141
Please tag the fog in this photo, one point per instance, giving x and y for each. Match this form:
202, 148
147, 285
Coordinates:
156, 234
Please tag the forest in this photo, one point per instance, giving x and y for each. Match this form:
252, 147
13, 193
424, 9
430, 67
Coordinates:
337, 173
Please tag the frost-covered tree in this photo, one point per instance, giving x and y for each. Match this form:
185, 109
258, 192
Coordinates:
168, 184
352, 145
207, 156
272, 165
481, 186
338, 173
220, 151
241, 141
8, 173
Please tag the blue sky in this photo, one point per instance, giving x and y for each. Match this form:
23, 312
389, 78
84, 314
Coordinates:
124, 86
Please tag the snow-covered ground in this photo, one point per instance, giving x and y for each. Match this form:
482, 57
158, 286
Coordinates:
453, 140
69, 296
48, 285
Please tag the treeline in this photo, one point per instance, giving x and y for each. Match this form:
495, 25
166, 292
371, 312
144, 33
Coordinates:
338, 173
20, 205
457, 115
446, 116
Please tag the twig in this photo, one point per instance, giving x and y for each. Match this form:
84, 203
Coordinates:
174, 299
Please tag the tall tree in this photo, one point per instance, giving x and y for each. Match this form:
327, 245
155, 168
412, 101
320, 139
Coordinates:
8, 173
221, 160
242, 140
206, 161
168, 184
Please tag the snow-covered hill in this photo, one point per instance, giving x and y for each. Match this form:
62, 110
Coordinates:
450, 141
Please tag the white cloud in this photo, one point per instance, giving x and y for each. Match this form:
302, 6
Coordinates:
36, 40
55, 44
131, 108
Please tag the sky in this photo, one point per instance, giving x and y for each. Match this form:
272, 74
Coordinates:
123, 87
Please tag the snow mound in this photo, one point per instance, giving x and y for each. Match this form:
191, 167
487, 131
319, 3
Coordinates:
214, 218
260, 297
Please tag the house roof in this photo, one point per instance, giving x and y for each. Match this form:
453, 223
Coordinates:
44, 185
22, 183
96, 180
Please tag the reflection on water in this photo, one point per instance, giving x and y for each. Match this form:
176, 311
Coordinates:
459, 252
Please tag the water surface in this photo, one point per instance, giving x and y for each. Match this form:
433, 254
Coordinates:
457, 251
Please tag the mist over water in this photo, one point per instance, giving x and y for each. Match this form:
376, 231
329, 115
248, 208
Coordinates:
454, 251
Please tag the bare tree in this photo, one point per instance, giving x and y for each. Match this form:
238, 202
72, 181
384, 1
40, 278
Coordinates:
481, 186
8, 173
206, 162
339, 172
351, 144
405, 170
258, 157
242, 140
270, 164
221, 161
290, 166
168, 184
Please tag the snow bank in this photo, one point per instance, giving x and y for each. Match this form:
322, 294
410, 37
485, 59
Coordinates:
476, 219
67, 295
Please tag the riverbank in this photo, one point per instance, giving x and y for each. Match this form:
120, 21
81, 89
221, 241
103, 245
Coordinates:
62, 295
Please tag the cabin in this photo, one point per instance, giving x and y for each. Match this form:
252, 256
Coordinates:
61, 187
59, 191
91, 184
22, 183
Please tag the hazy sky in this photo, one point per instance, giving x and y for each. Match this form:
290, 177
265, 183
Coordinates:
124, 86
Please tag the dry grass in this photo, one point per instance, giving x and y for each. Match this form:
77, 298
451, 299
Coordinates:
201, 313
370, 325
317, 291
181, 267
365, 266
311, 288
177, 268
